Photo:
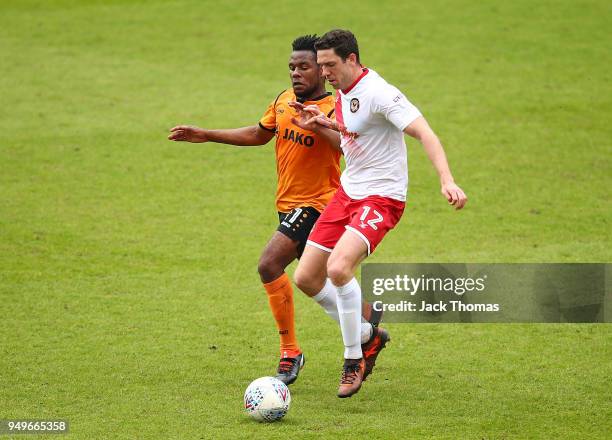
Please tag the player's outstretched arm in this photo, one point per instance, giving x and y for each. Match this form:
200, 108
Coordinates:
245, 136
420, 129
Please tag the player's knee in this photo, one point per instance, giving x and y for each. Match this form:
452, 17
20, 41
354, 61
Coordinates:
300, 278
339, 271
307, 282
269, 269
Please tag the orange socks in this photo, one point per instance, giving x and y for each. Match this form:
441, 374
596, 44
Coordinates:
280, 297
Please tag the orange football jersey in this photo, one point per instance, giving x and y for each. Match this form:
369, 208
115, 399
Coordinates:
307, 165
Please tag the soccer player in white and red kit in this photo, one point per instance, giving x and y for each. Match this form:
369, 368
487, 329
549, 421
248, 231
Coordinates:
372, 117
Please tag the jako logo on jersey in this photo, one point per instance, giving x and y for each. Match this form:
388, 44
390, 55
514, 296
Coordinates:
298, 137
354, 105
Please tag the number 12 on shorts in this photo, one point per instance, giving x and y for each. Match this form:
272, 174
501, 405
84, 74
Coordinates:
372, 222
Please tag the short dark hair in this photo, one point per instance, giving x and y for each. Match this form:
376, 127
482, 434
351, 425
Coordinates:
342, 41
305, 42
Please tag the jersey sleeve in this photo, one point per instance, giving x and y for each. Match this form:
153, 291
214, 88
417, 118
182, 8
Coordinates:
268, 120
395, 107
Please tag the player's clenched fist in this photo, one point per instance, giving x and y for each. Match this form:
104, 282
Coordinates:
188, 133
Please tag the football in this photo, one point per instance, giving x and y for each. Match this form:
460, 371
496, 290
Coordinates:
267, 399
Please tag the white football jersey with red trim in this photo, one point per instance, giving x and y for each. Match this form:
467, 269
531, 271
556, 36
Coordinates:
372, 115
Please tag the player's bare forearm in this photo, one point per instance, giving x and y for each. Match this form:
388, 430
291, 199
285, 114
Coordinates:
331, 135
244, 136
420, 129
437, 156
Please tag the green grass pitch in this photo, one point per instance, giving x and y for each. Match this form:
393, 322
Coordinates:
129, 299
